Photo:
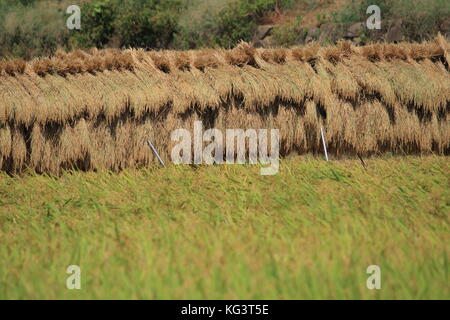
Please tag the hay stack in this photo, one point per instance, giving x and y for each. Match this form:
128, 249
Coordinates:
96, 109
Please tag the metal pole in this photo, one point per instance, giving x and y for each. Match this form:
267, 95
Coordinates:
155, 152
323, 141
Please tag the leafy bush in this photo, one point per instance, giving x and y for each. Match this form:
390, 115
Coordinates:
140, 23
149, 23
97, 24
290, 34
234, 22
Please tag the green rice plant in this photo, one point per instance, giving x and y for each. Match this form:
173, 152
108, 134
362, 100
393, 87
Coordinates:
226, 232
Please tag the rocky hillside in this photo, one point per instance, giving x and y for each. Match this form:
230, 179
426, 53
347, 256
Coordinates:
328, 21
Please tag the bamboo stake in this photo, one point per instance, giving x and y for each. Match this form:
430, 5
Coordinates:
155, 152
323, 141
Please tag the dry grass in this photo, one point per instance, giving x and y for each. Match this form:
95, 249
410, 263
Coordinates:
95, 109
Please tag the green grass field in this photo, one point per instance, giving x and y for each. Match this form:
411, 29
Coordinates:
216, 232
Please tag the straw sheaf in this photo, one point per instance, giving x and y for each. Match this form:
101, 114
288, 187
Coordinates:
13, 67
18, 149
5, 144
96, 109
169, 61
44, 150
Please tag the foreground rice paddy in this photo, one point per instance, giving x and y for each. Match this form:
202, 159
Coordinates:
309, 232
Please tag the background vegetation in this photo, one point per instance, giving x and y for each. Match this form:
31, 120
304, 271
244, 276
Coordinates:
226, 232
421, 19
37, 27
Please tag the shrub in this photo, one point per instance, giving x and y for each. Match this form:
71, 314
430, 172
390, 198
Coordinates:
149, 23
290, 34
231, 22
97, 24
